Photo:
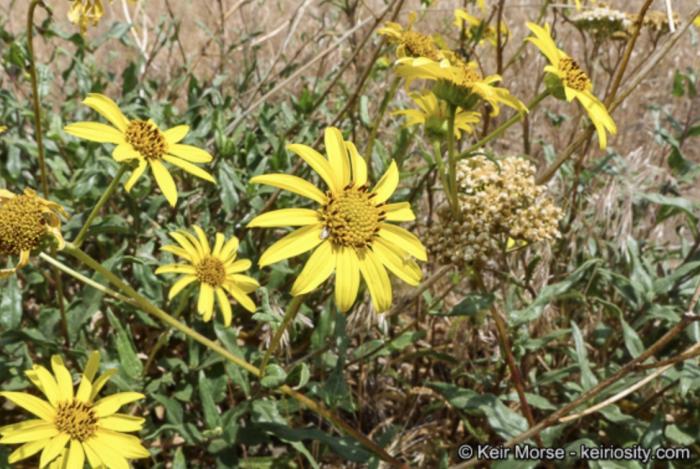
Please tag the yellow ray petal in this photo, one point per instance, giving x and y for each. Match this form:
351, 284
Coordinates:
127, 446
178, 286
93, 458
164, 181
121, 423
176, 269
99, 383
245, 283
347, 278
92, 366
125, 152
404, 268
36, 406
285, 217
357, 165
218, 244
229, 248
387, 184
189, 244
84, 391
205, 303
63, 378
376, 279
47, 430
225, 306
400, 211
189, 153
178, 251
337, 155
27, 450
293, 244
53, 448
48, 384
240, 296
238, 266
13, 427
95, 132
110, 405
202, 237
76, 456
190, 168
107, 109
100, 447
175, 134
317, 269
319, 164
291, 183
403, 239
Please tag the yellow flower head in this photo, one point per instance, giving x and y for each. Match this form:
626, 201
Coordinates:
459, 82
350, 231
474, 26
216, 270
433, 114
143, 142
85, 13
73, 426
410, 43
25, 220
575, 82
2, 128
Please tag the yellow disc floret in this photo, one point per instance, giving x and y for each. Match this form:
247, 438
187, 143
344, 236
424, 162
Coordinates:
22, 224
352, 219
211, 270
77, 419
419, 45
574, 77
146, 138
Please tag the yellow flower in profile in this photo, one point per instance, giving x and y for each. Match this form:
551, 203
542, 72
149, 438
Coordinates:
459, 82
575, 82
474, 26
143, 142
72, 427
85, 13
349, 232
25, 220
410, 43
216, 270
433, 114
696, 21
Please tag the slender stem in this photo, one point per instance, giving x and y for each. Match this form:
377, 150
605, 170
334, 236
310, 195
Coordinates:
289, 315
42, 160
498, 131
437, 154
452, 161
100, 203
164, 317
388, 96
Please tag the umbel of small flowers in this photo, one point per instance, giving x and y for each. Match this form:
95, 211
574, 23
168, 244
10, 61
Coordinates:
25, 221
350, 232
142, 141
216, 269
70, 427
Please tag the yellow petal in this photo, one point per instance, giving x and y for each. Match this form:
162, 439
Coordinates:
400, 211
27, 450
84, 390
92, 366
13, 427
110, 405
39, 432
376, 279
189, 153
291, 183
403, 239
178, 251
176, 269
317, 269
125, 152
135, 175
319, 164
107, 109
229, 248
127, 446
48, 384
404, 268
337, 155
36, 406
245, 283
100, 382
63, 378
202, 237
93, 458
240, 296
347, 278
387, 184
121, 423
178, 286
205, 303
357, 164
100, 447
218, 244
188, 244
238, 266
299, 241
164, 181
285, 217
225, 305
190, 168
53, 448
175, 134
95, 132
76, 456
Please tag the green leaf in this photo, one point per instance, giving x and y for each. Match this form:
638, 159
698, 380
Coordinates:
212, 415
471, 305
179, 461
10, 304
274, 376
588, 379
633, 343
130, 362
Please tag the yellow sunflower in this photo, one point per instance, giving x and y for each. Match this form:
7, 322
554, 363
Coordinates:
71, 426
86, 13
144, 142
25, 220
474, 26
349, 231
410, 43
575, 82
433, 114
216, 270
458, 82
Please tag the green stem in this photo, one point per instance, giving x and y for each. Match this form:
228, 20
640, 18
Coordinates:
164, 317
388, 96
289, 316
497, 132
42, 159
100, 203
452, 161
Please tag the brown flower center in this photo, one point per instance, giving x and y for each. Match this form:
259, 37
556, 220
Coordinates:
146, 138
419, 45
22, 224
77, 419
574, 77
212, 271
352, 219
